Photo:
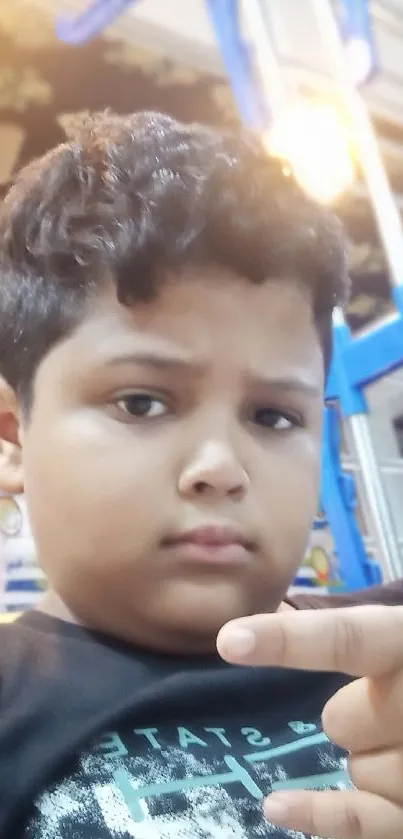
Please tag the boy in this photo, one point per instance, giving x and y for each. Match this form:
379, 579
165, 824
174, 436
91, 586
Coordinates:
165, 330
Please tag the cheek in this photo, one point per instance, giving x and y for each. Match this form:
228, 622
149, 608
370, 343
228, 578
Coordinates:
95, 483
289, 485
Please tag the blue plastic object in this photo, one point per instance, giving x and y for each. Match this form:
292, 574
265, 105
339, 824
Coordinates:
338, 500
91, 22
397, 296
355, 25
350, 396
251, 104
370, 356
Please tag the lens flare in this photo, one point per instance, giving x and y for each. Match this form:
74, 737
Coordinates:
315, 142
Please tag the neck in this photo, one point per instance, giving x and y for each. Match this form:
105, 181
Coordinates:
52, 605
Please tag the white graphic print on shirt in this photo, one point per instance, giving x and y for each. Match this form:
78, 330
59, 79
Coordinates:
187, 782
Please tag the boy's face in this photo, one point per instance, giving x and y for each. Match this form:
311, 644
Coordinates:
171, 457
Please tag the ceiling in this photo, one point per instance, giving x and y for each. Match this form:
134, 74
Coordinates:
181, 30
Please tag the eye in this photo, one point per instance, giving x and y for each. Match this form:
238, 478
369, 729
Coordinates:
142, 406
276, 420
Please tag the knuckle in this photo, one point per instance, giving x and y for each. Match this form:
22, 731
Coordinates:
337, 815
282, 644
348, 640
350, 820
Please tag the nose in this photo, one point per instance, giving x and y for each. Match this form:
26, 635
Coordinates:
215, 471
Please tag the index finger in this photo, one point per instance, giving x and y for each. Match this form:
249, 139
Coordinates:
359, 641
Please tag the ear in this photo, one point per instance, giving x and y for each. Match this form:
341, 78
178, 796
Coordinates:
11, 471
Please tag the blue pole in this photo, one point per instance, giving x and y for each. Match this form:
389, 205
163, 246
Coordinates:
338, 503
91, 22
224, 16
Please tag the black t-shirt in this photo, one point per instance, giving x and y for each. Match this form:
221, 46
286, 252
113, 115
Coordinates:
102, 741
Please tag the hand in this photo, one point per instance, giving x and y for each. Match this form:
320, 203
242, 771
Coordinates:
365, 718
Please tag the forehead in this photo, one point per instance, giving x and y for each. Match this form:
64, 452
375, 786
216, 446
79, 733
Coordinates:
208, 317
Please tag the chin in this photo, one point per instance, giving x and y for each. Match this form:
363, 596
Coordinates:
189, 637
203, 617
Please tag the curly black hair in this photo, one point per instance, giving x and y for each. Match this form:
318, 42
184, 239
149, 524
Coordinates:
130, 196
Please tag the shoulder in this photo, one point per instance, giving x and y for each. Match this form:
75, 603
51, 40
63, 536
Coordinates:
11, 638
10, 652
24, 656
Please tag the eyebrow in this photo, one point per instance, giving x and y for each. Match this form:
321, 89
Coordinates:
179, 364
289, 385
163, 362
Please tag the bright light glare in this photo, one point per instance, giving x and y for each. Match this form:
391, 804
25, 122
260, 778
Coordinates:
359, 57
314, 141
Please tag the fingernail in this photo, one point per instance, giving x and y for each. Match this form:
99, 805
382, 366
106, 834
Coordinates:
276, 809
239, 642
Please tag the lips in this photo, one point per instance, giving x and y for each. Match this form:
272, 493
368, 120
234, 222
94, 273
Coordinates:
211, 544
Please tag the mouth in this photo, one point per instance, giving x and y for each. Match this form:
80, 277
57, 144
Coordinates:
211, 545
